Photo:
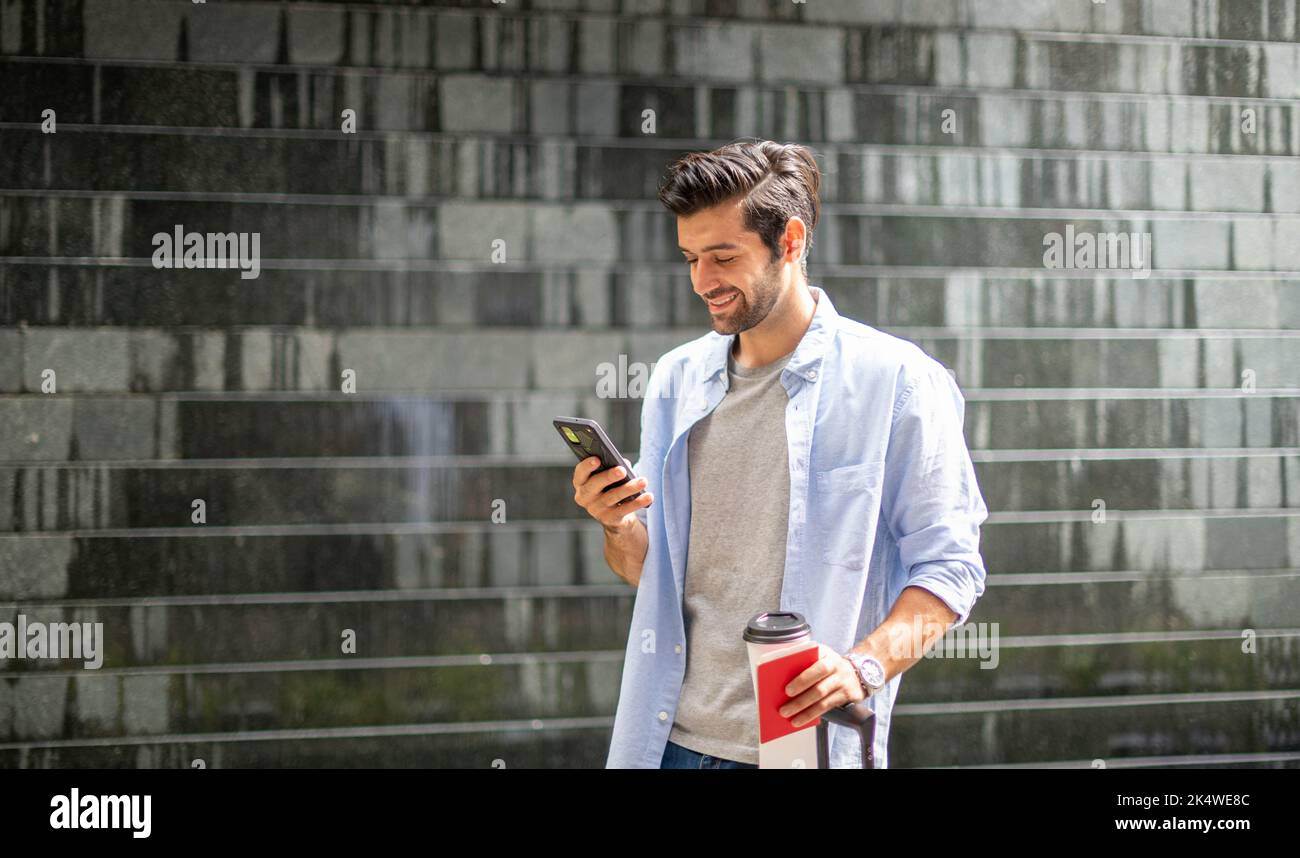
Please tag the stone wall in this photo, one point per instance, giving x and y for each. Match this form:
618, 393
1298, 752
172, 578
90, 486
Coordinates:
955, 138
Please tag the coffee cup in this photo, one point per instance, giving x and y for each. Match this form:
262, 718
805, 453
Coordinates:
768, 632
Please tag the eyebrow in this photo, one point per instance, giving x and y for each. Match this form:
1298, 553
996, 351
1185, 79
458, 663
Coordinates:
725, 245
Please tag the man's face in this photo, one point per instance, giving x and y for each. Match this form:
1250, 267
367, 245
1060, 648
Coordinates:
729, 263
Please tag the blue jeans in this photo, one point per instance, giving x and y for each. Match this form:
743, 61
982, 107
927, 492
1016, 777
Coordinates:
677, 757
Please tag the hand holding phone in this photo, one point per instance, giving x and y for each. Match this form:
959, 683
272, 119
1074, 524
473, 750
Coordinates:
603, 482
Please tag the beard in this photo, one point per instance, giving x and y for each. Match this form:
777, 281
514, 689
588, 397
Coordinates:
742, 315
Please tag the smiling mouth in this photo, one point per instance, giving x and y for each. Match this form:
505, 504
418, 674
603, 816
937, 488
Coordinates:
723, 302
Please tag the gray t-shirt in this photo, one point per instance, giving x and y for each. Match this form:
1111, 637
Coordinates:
735, 566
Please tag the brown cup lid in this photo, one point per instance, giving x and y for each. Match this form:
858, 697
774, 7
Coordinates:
768, 627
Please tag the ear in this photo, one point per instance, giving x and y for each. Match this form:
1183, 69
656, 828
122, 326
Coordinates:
795, 232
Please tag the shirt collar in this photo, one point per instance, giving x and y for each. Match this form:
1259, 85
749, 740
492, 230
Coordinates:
807, 355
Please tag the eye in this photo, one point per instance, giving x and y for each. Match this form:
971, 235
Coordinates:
729, 259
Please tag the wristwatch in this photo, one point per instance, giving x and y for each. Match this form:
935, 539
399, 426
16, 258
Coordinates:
871, 673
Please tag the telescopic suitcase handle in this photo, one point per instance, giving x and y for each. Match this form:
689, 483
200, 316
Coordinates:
857, 715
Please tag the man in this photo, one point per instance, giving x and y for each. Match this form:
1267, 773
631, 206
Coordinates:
802, 461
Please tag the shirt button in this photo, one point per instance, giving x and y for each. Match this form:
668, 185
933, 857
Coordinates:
663, 716
812, 373
677, 648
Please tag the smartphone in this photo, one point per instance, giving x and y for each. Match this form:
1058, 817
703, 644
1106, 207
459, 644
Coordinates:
586, 439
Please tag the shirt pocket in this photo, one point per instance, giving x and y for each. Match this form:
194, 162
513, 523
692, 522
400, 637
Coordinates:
850, 505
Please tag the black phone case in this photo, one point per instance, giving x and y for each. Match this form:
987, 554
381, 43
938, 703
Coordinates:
594, 442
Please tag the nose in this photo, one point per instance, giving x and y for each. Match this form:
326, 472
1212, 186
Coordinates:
707, 285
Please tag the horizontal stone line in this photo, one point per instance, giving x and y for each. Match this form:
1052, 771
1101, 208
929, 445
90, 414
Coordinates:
660, 80
369, 732
1048, 394
1105, 37
575, 723
1118, 515
586, 591
1147, 762
1126, 454
561, 525
989, 394
1043, 704
346, 597
978, 332
953, 332
298, 462
593, 141
582, 657
1044, 332
826, 270
1024, 213
1126, 638
414, 528
413, 662
1121, 576
389, 462
605, 722
715, 22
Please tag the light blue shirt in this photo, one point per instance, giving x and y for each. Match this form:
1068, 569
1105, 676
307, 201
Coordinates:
883, 495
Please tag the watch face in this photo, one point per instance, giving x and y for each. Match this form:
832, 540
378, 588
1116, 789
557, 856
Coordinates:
873, 672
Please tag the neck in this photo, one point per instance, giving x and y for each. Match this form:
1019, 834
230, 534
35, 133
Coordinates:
779, 333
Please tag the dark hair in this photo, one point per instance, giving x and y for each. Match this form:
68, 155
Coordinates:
778, 181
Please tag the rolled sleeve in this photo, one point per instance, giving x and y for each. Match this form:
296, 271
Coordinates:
932, 500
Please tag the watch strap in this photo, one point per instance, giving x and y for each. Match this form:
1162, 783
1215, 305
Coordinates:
855, 660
